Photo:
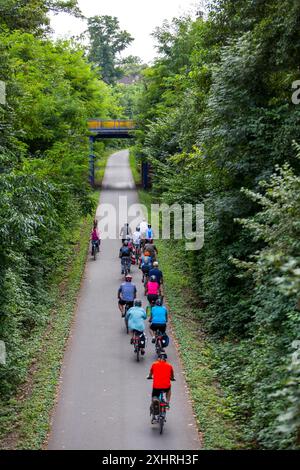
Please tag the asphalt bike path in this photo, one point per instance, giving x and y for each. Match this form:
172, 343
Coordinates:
104, 397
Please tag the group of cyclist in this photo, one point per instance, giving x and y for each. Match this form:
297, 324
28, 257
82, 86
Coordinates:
139, 248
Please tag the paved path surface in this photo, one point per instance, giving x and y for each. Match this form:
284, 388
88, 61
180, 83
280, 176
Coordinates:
104, 396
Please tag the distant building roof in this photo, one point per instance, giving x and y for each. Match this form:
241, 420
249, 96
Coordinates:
129, 80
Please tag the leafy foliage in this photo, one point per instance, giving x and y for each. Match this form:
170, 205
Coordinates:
107, 40
51, 92
216, 116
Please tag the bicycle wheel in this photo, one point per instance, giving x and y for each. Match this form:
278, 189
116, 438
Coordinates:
126, 323
158, 346
138, 354
161, 424
95, 253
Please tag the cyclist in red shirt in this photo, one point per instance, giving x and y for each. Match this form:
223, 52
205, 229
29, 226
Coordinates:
162, 373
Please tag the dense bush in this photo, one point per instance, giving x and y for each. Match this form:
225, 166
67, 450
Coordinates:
51, 92
216, 117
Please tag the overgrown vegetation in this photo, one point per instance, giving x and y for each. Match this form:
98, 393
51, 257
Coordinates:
216, 116
215, 411
25, 418
51, 92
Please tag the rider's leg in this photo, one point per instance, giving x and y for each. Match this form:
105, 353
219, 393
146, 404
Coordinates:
152, 333
168, 395
121, 308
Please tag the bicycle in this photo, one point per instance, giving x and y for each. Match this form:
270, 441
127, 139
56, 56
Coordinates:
126, 264
159, 342
95, 249
158, 409
137, 253
138, 342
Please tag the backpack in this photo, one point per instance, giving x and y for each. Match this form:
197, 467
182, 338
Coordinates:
154, 409
125, 251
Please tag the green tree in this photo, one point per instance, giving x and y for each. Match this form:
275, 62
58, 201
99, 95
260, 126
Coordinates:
216, 115
107, 41
32, 15
51, 92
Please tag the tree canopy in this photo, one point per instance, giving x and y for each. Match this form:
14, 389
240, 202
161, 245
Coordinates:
107, 41
217, 126
52, 90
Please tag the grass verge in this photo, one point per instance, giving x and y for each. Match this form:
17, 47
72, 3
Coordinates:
214, 411
135, 167
25, 419
102, 155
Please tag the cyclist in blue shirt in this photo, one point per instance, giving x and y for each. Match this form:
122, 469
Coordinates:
126, 294
158, 319
157, 273
149, 233
136, 317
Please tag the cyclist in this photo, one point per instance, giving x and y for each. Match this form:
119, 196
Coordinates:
157, 273
136, 237
146, 265
163, 373
151, 249
125, 231
95, 237
125, 256
158, 319
126, 294
152, 290
135, 317
149, 233
129, 241
98, 233
144, 228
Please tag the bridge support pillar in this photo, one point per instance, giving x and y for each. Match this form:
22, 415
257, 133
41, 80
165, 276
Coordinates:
92, 162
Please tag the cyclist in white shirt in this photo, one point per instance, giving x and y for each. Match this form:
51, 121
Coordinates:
144, 228
136, 239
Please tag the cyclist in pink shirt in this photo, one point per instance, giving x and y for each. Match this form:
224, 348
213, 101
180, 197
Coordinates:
152, 290
95, 236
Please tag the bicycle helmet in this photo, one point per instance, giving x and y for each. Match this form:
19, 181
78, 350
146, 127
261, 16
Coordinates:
138, 229
155, 264
128, 277
126, 243
158, 302
163, 356
153, 278
138, 303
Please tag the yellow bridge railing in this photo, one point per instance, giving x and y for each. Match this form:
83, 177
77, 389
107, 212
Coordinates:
106, 125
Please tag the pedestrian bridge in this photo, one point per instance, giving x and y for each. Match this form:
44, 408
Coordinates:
111, 128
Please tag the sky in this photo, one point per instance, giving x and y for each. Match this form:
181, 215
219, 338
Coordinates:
138, 17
